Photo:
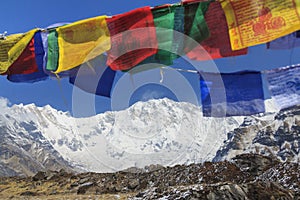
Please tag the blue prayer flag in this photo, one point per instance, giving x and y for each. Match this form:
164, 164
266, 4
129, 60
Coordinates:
284, 85
231, 94
94, 77
286, 42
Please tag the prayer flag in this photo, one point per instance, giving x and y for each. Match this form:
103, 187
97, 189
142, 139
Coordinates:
12, 47
218, 44
39, 75
164, 23
94, 77
178, 38
26, 63
195, 26
53, 51
284, 85
255, 22
286, 42
82, 41
133, 38
231, 94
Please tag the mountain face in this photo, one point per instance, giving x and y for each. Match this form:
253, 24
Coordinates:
155, 132
23, 148
276, 135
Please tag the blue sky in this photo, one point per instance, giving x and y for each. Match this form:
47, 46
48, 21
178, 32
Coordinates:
20, 16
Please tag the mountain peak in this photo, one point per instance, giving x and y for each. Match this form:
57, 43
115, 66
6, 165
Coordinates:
158, 131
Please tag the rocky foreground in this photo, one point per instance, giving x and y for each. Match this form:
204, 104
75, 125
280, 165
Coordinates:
247, 176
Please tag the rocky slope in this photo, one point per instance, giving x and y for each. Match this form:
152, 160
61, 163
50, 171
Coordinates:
248, 176
273, 135
24, 150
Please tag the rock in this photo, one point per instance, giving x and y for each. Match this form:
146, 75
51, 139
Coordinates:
255, 164
143, 184
249, 176
53, 192
39, 176
84, 180
83, 188
28, 193
255, 190
62, 172
51, 175
151, 168
133, 184
118, 188
75, 184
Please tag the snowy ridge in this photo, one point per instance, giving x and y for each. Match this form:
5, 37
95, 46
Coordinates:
155, 132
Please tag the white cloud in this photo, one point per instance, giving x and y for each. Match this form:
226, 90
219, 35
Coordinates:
151, 95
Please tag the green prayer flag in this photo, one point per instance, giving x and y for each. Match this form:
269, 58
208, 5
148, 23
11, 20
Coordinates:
53, 51
164, 23
194, 24
169, 20
178, 40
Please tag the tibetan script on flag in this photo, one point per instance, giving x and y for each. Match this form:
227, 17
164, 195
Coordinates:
259, 21
12, 47
284, 85
133, 38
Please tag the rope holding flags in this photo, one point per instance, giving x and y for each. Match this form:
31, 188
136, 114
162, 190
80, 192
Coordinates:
202, 30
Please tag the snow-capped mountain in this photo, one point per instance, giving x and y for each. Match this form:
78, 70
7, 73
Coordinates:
155, 132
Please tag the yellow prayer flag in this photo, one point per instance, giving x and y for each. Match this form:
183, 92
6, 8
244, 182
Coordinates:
82, 41
259, 21
12, 47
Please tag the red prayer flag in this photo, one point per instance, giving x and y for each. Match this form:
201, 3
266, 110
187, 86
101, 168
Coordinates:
218, 44
26, 63
133, 38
